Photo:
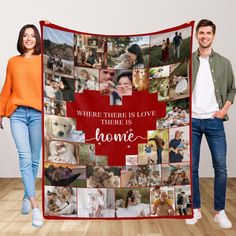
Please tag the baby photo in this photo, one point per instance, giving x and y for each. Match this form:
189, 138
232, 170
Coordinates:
86, 79
179, 81
179, 144
176, 174
140, 79
177, 114
128, 52
48, 106
62, 128
103, 176
183, 200
58, 52
60, 201
159, 72
132, 202
162, 201
53, 107
64, 175
96, 203
90, 51
62, 152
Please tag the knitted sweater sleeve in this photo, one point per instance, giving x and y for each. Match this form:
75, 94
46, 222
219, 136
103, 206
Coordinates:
6, 91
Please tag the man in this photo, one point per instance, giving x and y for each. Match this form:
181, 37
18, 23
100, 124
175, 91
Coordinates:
106, 81
176, 148
160, 146
163, 205
177, 40
185, 202
213, 94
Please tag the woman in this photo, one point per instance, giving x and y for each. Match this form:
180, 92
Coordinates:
133, 208
66, 202
185, 178
124, 87
124, 83
101, 202
135, 56
129, 198
20, 101
90, 58
165, 54
180, 200
160, 146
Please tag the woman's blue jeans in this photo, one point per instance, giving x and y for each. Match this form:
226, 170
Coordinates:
213, 129
26, 128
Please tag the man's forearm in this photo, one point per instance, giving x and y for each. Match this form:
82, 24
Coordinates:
227, 106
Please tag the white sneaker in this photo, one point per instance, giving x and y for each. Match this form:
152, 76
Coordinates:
26, 206
222, 219
37, 219
196, 216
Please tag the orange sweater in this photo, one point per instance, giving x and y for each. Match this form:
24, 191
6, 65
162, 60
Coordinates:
22, 86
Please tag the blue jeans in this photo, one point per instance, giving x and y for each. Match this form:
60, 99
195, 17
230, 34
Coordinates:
26, 128
159, 155
213, 129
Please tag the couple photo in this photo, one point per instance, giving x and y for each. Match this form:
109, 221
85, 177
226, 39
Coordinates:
60, 201
169, 48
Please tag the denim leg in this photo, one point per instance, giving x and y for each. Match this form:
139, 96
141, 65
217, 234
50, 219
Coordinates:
159, 155
197, 133
215, 135
35, 137
20, 133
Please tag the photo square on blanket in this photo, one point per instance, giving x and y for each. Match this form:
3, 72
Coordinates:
116, 123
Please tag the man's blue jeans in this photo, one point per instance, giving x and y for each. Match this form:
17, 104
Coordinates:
26, 128
159, 155
213, 129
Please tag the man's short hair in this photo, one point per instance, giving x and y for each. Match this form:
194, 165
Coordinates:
204, 23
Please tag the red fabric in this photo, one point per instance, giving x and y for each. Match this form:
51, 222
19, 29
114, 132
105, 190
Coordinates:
116, 131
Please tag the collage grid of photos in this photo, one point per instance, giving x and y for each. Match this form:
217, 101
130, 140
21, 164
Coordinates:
155, 182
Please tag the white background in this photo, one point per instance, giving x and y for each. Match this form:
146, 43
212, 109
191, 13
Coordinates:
117, 17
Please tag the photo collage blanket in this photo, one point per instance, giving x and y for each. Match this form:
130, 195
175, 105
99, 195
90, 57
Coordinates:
117, 130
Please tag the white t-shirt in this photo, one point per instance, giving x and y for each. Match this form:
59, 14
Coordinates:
204, 103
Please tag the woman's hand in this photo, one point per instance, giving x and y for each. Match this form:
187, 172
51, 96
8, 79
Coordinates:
47, 22
1, 126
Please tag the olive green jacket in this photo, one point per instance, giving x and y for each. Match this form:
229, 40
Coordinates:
222, 75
